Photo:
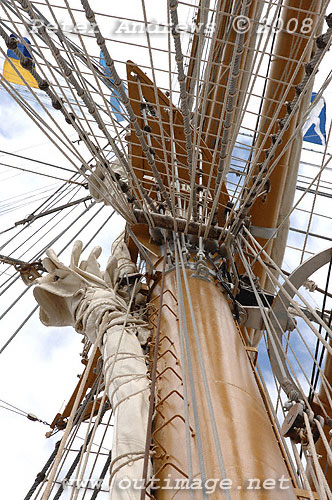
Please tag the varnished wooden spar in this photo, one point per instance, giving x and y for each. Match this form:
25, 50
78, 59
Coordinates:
265, 212
251, 450
219, 71
177, 224
139, 81
248, 443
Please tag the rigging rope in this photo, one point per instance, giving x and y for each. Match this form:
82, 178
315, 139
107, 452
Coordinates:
314, 375
204, 377
29, 416
60, 252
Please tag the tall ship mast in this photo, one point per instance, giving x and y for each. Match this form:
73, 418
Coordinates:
189, 141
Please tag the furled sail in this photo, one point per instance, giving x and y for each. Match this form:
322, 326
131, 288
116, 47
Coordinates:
98, 304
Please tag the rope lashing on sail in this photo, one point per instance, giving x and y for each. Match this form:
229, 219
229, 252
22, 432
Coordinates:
82, 296
37, 256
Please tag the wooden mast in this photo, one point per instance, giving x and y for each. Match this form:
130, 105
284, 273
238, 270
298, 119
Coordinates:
249, 445
289, 51
249, 442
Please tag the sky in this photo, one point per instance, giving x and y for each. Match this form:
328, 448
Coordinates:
39, 368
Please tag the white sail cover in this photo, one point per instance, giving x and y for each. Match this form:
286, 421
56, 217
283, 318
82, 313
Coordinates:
95, 303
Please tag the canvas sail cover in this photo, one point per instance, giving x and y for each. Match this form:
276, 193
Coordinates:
83, 296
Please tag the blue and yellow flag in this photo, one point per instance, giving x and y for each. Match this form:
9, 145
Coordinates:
9, 72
